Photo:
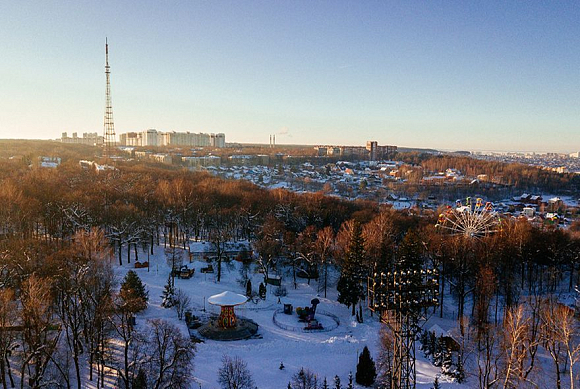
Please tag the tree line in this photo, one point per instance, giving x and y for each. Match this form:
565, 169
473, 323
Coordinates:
523, 177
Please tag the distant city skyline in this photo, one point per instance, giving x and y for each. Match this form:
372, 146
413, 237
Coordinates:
449, 75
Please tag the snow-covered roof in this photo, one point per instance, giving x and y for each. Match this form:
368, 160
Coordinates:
438, 331
227, 298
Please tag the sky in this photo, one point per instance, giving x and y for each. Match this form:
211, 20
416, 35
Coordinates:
469, 75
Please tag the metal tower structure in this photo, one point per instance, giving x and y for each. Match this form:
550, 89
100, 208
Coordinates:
109, 141
399, 297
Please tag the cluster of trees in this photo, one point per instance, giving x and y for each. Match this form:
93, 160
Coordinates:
234, 374
136, 207
22, 152
440, 352
521, 176
307, 379
499, 287
536, 345
508, 354
365, 376
63, 320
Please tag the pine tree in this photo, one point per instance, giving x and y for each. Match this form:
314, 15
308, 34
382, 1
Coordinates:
350, 384
140, 381
460, 371
365, 369
133, 292
447, 367
337, 382
350, 284
436, 384
325, 384
446, 363
438, 352
168, 296
424, 339
428, 343
262, 291
432, 343
409, 254
249, 288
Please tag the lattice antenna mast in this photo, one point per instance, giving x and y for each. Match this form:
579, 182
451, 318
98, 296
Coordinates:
109, 140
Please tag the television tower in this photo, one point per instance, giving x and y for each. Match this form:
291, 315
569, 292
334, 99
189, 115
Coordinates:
109, 140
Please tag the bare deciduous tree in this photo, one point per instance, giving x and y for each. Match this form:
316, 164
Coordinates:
488, 359
385, 357
324, 247
7, 337
234, 374
269, 245
219, 235
560, 335
39, 338
514, 345
304, 379
182, 302
171, 355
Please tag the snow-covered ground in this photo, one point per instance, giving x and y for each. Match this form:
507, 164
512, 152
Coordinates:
326, 353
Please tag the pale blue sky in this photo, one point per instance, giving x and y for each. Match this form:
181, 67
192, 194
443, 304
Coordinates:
443, 74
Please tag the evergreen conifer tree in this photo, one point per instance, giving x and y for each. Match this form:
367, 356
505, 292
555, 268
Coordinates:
325, 384
424, 339
460, 371
337, 382
436, 384
249, 289
409, 254
168, 296
350, 384
365, 369
350, 284
447, 363
262, 291
438, 352
140, 381
133, 292
432, 342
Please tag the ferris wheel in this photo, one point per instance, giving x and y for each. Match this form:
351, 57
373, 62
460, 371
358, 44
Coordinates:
470, 219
